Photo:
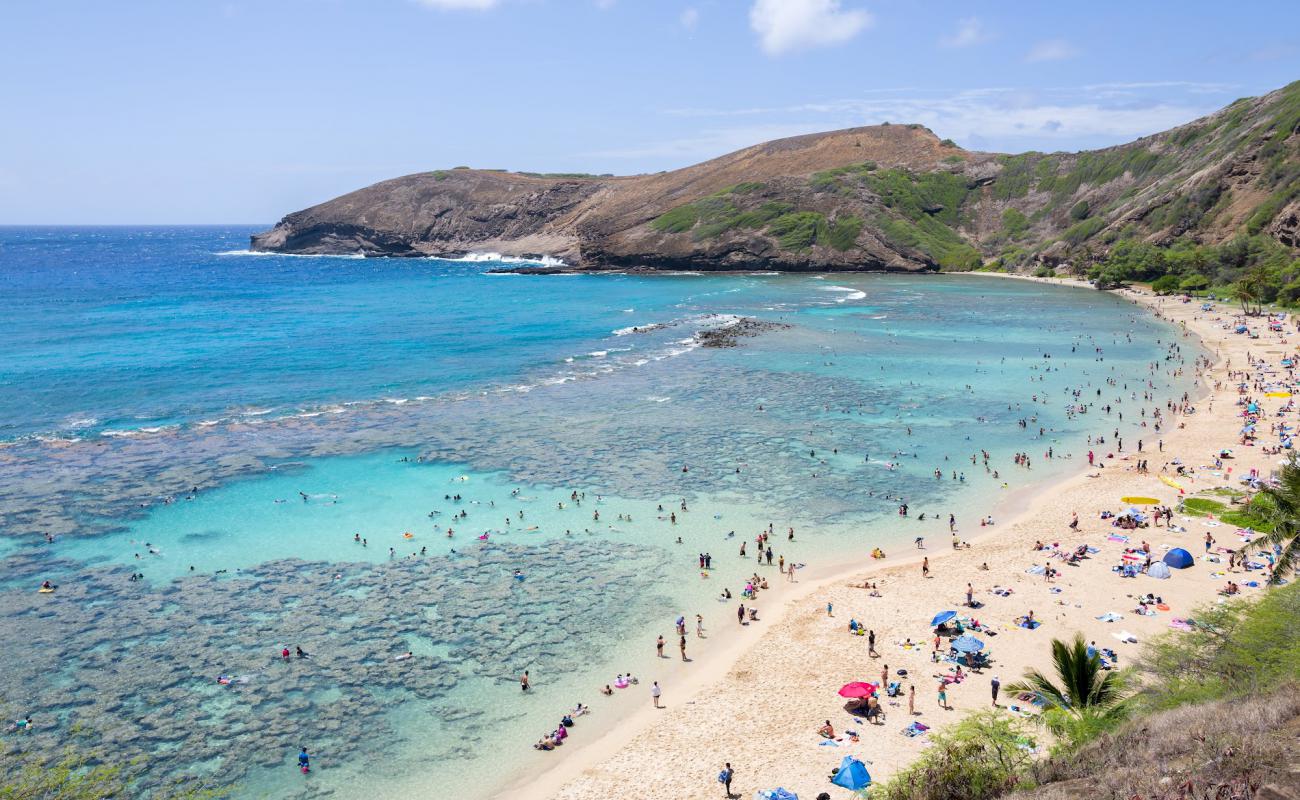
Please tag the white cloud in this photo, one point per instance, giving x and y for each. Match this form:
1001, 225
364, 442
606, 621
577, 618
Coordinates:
996, 118
970, 31
786, 25
1051, 50
460, 5
690, 18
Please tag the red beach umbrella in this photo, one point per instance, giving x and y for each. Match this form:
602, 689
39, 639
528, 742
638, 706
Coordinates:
857, 689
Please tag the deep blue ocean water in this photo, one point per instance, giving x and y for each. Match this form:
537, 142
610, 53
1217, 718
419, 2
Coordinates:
226, 425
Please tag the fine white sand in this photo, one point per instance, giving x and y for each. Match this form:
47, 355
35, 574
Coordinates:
757, 699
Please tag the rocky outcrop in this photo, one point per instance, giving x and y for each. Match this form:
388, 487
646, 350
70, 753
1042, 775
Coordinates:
886, 197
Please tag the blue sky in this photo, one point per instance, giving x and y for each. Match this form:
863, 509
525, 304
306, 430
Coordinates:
186, 111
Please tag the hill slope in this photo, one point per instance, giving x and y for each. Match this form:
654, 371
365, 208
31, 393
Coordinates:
890, 197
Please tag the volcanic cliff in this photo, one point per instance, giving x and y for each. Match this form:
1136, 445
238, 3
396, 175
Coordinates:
885, 197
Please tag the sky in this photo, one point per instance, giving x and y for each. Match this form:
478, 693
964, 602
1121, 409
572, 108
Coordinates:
240, 111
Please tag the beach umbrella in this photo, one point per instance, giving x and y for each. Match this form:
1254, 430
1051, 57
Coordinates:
852, 775
942, 617
967, 644
858, 689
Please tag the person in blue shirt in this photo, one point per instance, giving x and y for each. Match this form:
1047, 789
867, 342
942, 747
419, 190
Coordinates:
304, 761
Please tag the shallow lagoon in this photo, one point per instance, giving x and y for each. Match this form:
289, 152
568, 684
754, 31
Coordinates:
806, 426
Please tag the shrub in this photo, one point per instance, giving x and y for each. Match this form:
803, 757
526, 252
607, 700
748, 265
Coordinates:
844, 233
1079, 211
677, 220
981, 757
1165, 284
1233, 650
1014, 223
798, 230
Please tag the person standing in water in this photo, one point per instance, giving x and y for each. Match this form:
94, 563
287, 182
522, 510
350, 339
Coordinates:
304, 761
523, 681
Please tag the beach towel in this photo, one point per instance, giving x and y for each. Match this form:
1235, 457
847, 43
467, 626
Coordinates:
915, 729
1180, 624
1126, 637
1115, 537
1092, 550
1111, 616
1036, 569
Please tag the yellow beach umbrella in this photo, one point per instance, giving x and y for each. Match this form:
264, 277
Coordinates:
1277, 394
1168, 481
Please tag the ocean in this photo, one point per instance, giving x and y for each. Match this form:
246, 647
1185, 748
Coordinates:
218, 455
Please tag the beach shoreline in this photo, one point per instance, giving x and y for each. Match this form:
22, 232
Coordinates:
638, 751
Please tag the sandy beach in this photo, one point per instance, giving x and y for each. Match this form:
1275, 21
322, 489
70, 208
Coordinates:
762, 692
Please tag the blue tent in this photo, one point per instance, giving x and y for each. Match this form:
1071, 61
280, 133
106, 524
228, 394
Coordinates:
1178, 558
967, 644
852, 775
942, 617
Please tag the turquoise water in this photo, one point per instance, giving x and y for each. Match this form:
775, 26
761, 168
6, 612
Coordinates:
224, 425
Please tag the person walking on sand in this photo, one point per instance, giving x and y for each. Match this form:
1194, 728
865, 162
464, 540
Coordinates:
724, 778
871, 642
925, 567
829, 609
655, 691
970, 596
682, 645
1209, 542
943, 696
994, 686
699, 626
911, 700
884, 675
659, 647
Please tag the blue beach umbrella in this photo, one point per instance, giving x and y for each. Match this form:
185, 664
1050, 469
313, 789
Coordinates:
967, 644
942, 617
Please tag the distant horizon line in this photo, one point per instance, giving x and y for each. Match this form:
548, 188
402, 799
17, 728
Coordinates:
4, 225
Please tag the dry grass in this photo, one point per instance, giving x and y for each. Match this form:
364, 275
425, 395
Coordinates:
1227, 750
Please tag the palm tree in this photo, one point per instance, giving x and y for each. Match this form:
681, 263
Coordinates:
1281, 512
1087, 699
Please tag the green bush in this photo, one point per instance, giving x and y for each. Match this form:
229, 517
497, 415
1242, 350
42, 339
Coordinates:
677, 220
798, 230
1014, 223
981, 757
1079, 211
1235, 649
1165, 284
844, 232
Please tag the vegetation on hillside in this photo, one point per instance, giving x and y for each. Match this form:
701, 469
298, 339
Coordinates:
794, 230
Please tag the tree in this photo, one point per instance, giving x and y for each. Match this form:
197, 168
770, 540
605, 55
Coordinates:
1282, 514
1165, 284
1194, 283
1087, 698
